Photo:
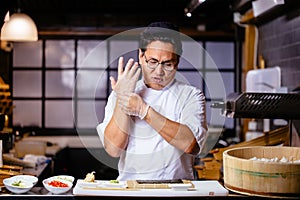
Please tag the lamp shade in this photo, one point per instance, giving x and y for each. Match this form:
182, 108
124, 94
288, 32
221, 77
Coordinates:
18, 28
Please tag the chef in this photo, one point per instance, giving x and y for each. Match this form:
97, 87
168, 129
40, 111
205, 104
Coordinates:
156, 125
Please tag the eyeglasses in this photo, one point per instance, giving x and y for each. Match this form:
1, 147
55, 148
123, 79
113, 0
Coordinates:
153, 63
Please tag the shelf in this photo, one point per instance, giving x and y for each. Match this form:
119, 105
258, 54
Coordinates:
279, 10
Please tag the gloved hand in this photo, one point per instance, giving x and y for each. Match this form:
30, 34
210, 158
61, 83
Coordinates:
132, 104
126, 79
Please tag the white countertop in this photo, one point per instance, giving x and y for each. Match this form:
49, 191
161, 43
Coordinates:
202, 188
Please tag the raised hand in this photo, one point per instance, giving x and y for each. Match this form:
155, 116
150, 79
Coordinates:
127, 78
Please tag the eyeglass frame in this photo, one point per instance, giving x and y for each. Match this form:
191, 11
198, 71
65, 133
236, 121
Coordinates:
160, 63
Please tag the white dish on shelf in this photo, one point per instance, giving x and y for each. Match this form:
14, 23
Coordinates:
180, 186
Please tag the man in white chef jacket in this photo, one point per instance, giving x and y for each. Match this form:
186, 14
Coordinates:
156, 125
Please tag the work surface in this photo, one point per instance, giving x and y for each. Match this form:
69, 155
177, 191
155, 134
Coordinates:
204, 190
201, 188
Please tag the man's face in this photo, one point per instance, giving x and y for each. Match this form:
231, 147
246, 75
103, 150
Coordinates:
159, 53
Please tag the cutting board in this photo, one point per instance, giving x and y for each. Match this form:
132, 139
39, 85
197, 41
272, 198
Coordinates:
201, 188
134, 184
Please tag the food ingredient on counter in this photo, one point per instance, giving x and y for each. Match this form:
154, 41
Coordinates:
90, 177
114, 181
282, 160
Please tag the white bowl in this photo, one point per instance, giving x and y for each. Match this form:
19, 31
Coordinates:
29, 178
64, 177
22, 187
57, 190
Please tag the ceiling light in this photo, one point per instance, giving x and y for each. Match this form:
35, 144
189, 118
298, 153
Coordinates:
192, 6
19, 28
188, 14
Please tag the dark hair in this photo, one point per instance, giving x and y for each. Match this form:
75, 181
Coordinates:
161, 31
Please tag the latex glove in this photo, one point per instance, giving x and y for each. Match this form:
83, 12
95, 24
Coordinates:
132, 104
127, 78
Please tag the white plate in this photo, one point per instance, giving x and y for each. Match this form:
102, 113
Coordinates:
83, 183
180, 187
120, 184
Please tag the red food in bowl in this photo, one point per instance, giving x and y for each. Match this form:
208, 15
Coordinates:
56, 183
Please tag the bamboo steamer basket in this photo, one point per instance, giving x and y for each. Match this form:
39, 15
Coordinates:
260, 178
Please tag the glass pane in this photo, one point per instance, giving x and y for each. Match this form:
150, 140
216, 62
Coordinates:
219, 85
27, 54
91, 83
27, 83
192, 55
114, 74
192, 78
127, 49
59, 83
214, 116
100, 107
60, 53
92, 54
58, 114
222, 54
228, 79
90, 113
27, 113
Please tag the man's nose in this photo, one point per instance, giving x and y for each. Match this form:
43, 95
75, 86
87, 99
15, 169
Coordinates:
159, 69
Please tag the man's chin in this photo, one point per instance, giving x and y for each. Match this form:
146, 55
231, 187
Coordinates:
155, 86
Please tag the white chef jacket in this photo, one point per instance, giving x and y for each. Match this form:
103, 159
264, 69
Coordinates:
148, 156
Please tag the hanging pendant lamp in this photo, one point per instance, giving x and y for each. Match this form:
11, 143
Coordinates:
18, 28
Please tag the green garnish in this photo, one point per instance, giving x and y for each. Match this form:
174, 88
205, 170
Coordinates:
114, 181
18, 183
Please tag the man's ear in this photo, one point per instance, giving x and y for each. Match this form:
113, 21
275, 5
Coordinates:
141, 54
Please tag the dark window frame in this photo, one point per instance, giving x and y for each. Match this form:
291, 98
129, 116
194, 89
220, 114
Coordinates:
89, 131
